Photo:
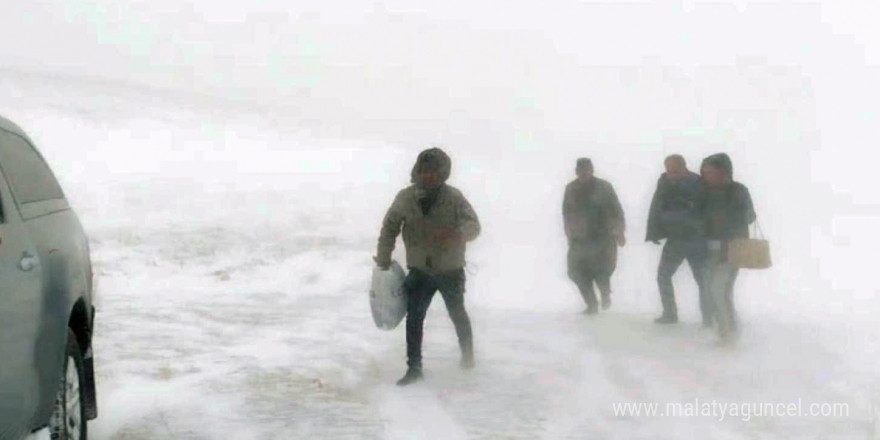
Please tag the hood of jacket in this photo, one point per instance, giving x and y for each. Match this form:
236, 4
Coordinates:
721, 161
435, 158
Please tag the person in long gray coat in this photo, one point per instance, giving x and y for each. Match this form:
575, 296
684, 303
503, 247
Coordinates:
437, 222
595, 227
674, 217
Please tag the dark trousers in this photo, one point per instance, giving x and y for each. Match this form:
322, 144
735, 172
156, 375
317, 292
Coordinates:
675, 251
420, 288
588, 292
592, 261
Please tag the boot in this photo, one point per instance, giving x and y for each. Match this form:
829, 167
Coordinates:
606, 302
467, 361
667, 318
592, 309
413, 375
727, 340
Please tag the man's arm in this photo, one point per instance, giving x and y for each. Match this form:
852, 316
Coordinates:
654, 232
390, 230
469, 222
466, 229
748, 207
617, 217
567, 209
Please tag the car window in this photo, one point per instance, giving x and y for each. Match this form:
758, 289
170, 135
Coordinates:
28, 174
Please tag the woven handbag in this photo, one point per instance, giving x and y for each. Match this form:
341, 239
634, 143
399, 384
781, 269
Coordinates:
750, 253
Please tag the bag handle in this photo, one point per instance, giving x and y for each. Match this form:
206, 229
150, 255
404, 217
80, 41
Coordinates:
758, 232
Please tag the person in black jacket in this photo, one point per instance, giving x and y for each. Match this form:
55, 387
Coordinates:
727, 211
674, 217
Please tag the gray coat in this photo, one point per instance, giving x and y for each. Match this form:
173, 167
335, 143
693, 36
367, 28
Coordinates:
436, 224
591, 211
422, 234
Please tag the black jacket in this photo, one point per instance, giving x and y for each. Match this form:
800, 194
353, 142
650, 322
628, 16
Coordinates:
673, 211
726, 213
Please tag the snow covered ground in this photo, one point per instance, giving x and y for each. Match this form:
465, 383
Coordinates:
233, 258
232, 164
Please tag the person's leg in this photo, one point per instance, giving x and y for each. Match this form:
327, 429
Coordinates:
452, 288
420, 289
725, 277
589, 293
606, 266
732, 272
579, 273
697, 254
718, 279
670, 260
603, 282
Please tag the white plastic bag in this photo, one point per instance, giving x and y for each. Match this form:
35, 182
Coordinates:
387, 297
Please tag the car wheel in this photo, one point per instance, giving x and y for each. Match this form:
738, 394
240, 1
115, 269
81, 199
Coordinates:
68, 420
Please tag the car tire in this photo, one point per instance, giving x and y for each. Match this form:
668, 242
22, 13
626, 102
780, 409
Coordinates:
68, 420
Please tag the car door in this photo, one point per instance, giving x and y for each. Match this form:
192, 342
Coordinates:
21, 314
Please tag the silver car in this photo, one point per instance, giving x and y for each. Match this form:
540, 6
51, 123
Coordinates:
47, 383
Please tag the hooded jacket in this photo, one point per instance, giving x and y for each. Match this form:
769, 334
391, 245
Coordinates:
726, 212
426, 231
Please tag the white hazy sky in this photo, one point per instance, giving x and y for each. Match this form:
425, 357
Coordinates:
790, 89
498, 75
396, 57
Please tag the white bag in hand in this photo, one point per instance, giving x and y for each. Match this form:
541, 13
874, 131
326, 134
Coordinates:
387, 297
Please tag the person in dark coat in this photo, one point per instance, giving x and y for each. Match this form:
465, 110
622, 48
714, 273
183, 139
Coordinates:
726, 209
674, 217
437, 222
595, 227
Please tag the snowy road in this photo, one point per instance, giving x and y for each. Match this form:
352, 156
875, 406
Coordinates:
233, 260
193, 344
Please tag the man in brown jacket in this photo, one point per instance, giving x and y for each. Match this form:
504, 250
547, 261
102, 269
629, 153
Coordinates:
437, 222
595, 226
